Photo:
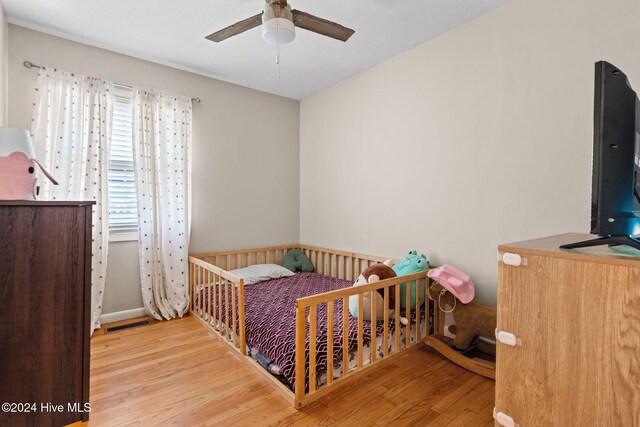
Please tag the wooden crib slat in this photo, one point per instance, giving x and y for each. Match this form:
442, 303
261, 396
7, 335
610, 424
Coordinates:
211, 298
192, 301
313, 317
243, 337
345, 337
196, 285
228, 262
385, 330
199, 284
330, 326
214, 300
346, 260
227, 331
219, 305
325, 264
207, 303
190, 282
333, 273
300, 352
427, 310
203, 287
407, 328
374, 317
360, 328
418, 291
396, 332
234, 321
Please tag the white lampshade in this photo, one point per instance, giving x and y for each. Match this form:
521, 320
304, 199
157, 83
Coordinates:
278, 30
14, 139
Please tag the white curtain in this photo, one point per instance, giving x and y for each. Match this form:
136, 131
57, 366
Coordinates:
71, 130
162, 128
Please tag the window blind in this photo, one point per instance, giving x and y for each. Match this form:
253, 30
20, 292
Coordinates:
123, 213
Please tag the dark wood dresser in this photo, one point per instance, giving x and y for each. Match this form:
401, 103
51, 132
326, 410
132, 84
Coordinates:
45, 306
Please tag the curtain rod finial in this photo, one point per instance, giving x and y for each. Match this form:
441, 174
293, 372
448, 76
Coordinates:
29, 64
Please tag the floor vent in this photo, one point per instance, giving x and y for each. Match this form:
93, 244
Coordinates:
127, 326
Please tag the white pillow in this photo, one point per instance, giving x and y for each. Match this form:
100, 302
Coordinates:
261, 272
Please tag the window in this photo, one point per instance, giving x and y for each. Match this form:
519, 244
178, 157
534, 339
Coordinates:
123, 213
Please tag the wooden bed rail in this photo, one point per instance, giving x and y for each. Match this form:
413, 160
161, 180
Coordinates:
209, 289
328, 262
230, 260
339, 264
306, 314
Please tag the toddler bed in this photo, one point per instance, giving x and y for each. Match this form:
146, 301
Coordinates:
300, 327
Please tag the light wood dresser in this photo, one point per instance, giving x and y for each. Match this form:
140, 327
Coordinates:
569, 335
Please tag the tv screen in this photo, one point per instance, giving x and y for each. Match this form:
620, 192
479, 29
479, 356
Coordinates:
615, 186
636, 162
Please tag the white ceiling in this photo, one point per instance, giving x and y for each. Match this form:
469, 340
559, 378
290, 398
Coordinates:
172, 32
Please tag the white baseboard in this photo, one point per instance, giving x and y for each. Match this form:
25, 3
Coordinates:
122, 315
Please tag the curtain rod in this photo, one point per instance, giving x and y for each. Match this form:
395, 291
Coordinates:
29, 64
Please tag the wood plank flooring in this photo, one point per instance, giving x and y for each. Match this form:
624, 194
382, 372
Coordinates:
175, 373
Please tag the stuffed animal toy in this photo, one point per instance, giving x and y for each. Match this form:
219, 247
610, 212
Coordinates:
412, 263
373, 274
295, 260
453, 288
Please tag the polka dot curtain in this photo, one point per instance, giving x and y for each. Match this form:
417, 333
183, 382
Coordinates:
71, 131
162, 127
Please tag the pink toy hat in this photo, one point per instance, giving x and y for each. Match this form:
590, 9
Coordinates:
455, 281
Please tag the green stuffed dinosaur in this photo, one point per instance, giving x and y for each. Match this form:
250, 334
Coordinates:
412, 263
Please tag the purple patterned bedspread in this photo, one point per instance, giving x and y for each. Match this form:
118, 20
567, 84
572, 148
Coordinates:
270, 313
271, 320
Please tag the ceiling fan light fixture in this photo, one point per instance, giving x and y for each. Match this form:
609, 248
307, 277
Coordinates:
278, 31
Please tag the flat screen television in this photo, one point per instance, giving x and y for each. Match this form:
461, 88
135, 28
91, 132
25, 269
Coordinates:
615, 186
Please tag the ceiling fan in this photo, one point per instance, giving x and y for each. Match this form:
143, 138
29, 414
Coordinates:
278, 25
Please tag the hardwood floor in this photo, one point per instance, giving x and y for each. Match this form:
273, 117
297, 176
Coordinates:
175, 373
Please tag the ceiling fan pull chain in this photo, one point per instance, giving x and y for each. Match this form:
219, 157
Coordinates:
278, 55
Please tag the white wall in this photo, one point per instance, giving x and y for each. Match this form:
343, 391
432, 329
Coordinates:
479, 137
246, 152
4, 74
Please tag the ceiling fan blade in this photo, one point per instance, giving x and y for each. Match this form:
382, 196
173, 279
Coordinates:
321, 26
237, 28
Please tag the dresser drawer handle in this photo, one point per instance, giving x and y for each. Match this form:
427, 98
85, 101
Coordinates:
504, 419
512, 259
507, 338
